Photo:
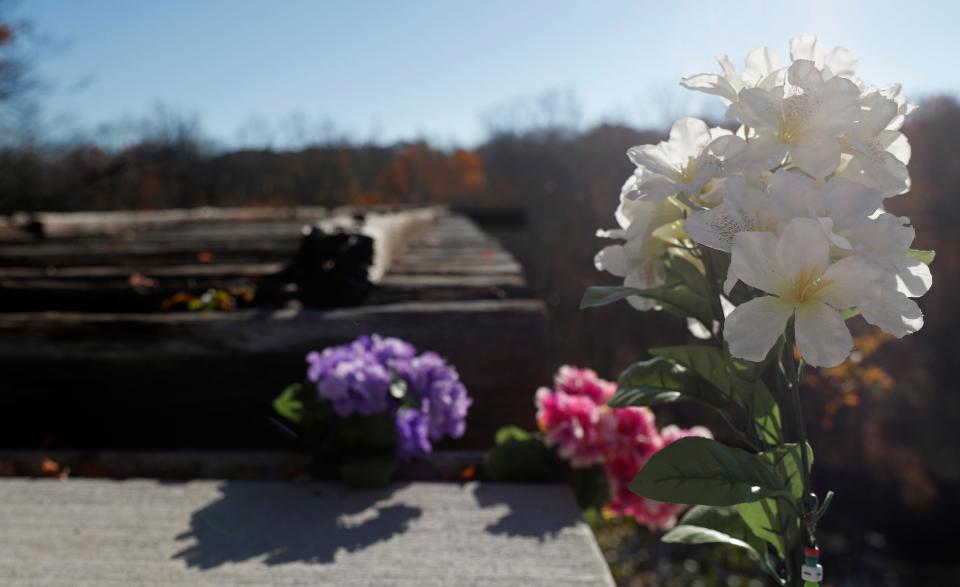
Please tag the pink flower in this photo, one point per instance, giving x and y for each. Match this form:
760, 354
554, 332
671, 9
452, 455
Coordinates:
584, 382
623, 466
570, 424
577, 423
671, 434
630, 433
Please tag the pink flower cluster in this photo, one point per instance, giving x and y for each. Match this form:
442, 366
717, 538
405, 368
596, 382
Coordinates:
577, 423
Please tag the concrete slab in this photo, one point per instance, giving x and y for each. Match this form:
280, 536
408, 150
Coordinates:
147, 532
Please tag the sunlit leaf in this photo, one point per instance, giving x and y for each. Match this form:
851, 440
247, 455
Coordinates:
702, 471
925, 257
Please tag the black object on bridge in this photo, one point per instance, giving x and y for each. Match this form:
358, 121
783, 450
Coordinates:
330, 270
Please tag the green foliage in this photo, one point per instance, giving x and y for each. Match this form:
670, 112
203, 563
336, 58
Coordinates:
701, 471
775, 521
652, 382
925, 257
519, 456
734, 383
685, 292
358, 450
601, 295
705, 524
288, 403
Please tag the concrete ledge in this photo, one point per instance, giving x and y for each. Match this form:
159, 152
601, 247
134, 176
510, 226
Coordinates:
96, 532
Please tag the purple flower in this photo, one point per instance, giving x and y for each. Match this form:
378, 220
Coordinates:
388, 350
352, 381
357, 377
412, 433
442, 396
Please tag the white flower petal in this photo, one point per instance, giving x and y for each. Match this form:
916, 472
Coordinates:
758, 108
849, 202
893, 312
653, 187
896, 144
822, 336
710, 83
753, 260
913, 277
850, 281
760, 63
689, 136
816, 154
643, 279
654, 158
697, 329
803, 247
764, 152
841, 61
805, 46
613, 260
753, 327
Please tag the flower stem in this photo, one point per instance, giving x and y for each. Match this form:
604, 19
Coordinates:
793, 376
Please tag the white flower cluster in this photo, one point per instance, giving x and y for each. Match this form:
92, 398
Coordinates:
795, 196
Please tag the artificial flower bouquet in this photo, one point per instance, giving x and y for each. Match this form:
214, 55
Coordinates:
596, 448
766, 239
368, 404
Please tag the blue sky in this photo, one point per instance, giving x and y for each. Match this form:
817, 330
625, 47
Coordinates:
402, 69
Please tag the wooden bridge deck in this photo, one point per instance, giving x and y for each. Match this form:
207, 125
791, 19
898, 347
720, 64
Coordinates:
89, 361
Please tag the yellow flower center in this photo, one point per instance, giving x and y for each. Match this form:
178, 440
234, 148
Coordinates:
807, 284
688, 171
794, 116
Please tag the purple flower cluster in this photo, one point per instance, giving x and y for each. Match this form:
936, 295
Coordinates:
357, 378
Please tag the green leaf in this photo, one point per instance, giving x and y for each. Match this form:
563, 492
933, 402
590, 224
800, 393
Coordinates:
925, 257
659, 381
787, 460
769, 519
772, 522
511, 433
360, 434
702, 471
726, 526
648, 383
367, 473
850, 313
521, 457
288, 403
685, 292
687, 534
590, 487
601, 295
738, 383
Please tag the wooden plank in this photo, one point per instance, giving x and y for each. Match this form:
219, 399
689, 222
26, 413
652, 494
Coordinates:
81, 378
111, 222
113, 272
143, 532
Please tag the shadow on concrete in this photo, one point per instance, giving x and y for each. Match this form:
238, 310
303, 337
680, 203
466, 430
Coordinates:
539, 514
291, 523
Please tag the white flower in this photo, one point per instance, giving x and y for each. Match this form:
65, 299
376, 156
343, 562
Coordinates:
878, 152
649, 229
796, 270
762, 70
836, 62
804, 119
850, 214
693, 155
742, 208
